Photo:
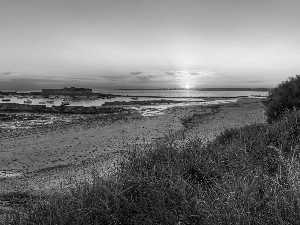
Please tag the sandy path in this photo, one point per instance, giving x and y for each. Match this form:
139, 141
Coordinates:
242, 113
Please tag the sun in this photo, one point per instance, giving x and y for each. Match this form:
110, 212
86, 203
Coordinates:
187, 86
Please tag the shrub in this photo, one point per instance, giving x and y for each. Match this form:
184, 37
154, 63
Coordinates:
286, 96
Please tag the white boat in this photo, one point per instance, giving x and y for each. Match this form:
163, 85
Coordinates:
27, 101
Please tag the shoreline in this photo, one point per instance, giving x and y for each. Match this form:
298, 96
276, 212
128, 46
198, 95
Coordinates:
59, 156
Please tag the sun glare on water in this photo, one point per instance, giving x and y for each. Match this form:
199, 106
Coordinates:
187, 86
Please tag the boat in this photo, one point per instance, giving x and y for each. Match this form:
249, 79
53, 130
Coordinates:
65, 103
135, 98
42, 102
50, 101
27, 101
6, 100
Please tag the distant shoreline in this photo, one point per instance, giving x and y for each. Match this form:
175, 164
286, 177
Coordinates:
200, 89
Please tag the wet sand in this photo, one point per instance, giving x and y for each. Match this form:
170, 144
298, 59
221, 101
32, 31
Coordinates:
51, 159
72, 144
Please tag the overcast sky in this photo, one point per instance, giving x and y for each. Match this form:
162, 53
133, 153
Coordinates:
148, 43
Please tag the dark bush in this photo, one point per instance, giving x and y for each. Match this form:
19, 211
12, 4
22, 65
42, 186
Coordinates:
285, 97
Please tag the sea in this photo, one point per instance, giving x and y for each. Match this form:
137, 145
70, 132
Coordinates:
184, 93
172, 94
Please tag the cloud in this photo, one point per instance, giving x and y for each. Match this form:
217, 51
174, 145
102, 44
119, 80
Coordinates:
10, 74
202, 73
5, 74
251, 81
170, 73
39, 81
255, 81
193, 73
14, 80
135, 73
164, 76
148, 74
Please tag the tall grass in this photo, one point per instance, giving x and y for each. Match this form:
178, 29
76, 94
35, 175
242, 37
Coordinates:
249, 175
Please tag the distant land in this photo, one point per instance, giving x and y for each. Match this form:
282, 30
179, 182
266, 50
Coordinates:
202, 89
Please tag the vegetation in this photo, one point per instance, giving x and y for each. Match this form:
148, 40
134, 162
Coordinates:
286, 96
249, 175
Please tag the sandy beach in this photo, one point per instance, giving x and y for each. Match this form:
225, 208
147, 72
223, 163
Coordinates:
49, 159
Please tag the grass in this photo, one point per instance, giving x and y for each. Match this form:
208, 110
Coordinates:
249, 175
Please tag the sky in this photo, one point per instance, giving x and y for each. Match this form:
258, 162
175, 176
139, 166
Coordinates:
148, 43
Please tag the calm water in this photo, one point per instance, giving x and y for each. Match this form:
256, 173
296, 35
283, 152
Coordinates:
169, 93
181, 93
